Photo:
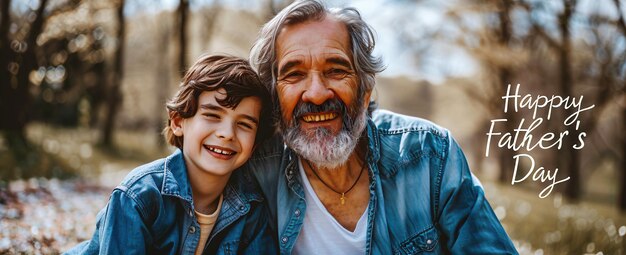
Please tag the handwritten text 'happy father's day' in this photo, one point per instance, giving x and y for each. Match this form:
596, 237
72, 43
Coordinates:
522, 136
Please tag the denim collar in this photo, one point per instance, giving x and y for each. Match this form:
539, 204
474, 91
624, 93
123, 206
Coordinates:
373, 140
240, 188
175, 180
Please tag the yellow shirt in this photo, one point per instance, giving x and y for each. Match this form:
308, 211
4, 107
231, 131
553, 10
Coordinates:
206, 225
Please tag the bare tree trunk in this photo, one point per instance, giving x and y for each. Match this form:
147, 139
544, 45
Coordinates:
622, 190
15, 95
504, 78
114, 96
209, 21
183, 11
568, 157
7, 86
163, 77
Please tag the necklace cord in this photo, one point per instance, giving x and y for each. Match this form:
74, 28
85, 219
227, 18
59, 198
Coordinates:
331, 188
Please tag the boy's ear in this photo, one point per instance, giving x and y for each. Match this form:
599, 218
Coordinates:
176, 124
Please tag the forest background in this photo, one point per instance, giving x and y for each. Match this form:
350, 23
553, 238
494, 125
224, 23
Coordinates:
83, 85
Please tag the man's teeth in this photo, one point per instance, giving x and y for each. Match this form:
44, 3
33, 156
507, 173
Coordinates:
216, 150
319, 117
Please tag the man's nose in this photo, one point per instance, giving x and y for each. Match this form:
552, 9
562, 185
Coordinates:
317, 91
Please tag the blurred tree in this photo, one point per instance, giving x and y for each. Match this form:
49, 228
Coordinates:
210, 16
620, 70
22, 59
114, 95
504, 35
568, 157
6, 53
21, 53
541, 53
274, 6
182, 14
599, 93
162, 72
498, 53
71, 65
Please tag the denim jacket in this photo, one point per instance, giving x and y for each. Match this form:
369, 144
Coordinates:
423, 197
152, 212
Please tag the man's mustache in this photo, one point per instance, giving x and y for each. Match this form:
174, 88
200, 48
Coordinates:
331, 105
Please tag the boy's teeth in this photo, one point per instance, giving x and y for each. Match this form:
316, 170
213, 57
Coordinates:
319, 117
216, 150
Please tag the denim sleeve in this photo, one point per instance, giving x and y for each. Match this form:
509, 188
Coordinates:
265, 166
262, 240
120, 228
464, 215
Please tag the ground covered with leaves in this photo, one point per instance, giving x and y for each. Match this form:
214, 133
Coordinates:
41, 216
49, 215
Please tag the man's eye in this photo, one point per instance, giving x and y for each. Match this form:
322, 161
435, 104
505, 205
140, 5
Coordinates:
293, 76
336, 73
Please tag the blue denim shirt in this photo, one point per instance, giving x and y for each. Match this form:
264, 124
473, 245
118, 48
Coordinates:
423, 197
152, 212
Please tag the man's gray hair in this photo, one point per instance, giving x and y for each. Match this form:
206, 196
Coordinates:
263, 52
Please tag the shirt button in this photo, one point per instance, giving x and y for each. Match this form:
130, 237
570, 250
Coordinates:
297, 212
192, 229
284, 240
191, 213
241, 208
429, 241
290, 172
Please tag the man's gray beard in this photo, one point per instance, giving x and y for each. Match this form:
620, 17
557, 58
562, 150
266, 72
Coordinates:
321, 147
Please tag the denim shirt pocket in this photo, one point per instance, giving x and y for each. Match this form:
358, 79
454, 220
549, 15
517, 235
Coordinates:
424, 242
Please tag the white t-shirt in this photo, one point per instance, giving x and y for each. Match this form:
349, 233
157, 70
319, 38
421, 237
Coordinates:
321, 233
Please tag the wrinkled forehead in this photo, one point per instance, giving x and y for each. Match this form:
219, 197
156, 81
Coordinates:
314, 35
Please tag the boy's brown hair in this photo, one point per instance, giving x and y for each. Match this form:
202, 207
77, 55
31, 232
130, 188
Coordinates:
210, 73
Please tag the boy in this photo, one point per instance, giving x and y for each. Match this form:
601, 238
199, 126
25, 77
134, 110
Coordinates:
171, 206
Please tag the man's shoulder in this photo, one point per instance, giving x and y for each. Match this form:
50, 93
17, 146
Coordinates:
392, 123
272, 147
405, 139
246, 187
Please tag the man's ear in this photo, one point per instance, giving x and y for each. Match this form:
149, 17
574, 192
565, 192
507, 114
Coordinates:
366, 99
176, 124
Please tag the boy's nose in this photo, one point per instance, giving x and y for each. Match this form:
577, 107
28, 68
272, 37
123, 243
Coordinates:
225, 132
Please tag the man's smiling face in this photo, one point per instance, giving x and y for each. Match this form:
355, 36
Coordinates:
317, 89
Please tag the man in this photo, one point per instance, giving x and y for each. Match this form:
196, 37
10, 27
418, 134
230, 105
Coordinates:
352, 181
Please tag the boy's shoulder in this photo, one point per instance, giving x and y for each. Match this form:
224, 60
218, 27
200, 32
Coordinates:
146, 174
165, 176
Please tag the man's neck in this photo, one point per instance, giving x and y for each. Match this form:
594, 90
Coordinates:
340, 178
343, 191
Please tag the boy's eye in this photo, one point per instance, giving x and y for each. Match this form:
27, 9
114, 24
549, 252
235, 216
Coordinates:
246, 125
211, 115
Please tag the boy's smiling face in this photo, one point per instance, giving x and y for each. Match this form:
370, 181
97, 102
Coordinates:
218, 140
